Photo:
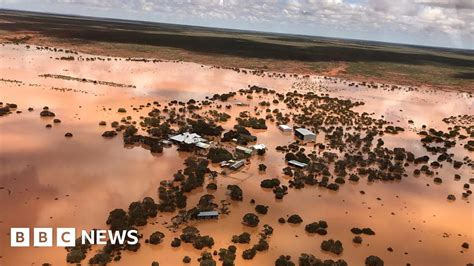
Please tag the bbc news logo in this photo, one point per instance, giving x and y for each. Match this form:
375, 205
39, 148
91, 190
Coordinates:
66, 237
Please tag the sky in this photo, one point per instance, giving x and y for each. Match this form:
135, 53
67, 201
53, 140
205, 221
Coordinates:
443, 23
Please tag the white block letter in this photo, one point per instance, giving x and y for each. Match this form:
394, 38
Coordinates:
88, 237
43, 237
65, 237
101, 237
20, 237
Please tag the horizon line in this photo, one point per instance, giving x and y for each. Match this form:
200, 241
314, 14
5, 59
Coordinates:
135, 21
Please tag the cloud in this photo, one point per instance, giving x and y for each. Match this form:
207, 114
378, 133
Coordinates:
457, 4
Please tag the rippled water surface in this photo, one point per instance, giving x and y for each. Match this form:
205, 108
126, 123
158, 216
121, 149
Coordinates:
48, 180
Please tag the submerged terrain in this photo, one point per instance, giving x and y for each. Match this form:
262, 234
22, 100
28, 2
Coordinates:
388, 177
86, 122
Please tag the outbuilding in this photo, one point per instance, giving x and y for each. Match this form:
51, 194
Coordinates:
237, 165
208, 215
284, 128
258, 147
305, 134
203, 145
244, 150
297, 164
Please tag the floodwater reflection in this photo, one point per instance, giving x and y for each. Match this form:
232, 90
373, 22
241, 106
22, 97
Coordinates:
51, 181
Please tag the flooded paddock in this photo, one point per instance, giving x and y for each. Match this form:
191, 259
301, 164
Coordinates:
48, 180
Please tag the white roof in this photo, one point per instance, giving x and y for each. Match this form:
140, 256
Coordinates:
285, 127
259, 147
244, 149
304, 131
297, 163
188, 138
202, 145
238, 164
208, 213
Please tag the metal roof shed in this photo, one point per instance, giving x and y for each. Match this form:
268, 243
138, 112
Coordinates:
297, 164
284, 128
237, 165
203, 145
305, 134
208, 215
244, 150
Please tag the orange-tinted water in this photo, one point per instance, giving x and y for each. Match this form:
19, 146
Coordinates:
52, 181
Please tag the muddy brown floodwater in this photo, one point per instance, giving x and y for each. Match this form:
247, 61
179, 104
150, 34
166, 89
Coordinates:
48, 180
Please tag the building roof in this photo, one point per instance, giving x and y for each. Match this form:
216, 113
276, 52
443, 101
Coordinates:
259, 147
225, 164
284, 127
203, 145
188, 138
244, 149
297, 163
304, 131
208, 213
237, 164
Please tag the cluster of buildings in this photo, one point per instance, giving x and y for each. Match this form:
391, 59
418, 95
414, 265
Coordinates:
195, 139
235, 165
191, 138
252, 149
200, 142
301, 133
232, 164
